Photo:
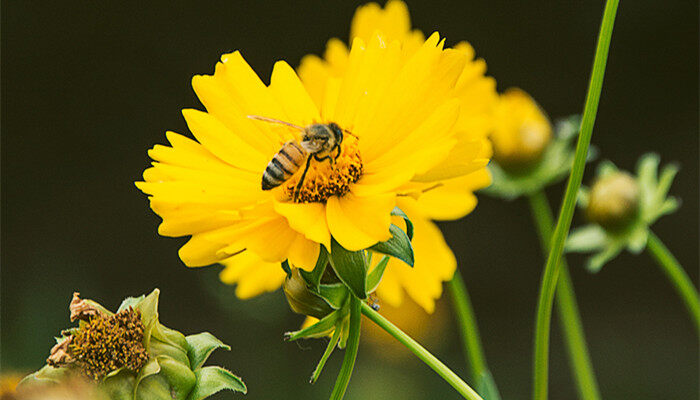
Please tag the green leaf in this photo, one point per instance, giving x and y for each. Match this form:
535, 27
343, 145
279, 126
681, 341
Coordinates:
119, 386
130, 302
155, 387
151, 368
319, 329
596, 262
398, 246
350, 267
211, 380
665, 180
313, 278
286, 268
586, 239
201, 346
637, 239
334, 294
179, 376
326, 354
375, 276
409, 225
606, 168
157, 348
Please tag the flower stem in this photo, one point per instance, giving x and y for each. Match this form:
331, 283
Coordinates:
470, 337
423, 354
551, 270
675, 273
341, 383
569, 316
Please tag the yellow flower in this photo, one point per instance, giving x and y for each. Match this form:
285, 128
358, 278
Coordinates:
403, 136
453, 198
522, 131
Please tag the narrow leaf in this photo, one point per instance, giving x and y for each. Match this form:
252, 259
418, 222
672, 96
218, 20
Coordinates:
212, 380
398, 246
350, 267
319, 329
313, 278
409, 225
326, 354
375, 276
586, 239
201, 346
334, 294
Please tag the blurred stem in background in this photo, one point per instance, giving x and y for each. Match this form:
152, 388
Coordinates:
675, 273
423, 354
569, 316
551, 270
471, 339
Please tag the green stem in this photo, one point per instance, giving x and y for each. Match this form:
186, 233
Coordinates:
569, 317
551, 270
341, 383
675, 273
468, 327
471, 342
423, 354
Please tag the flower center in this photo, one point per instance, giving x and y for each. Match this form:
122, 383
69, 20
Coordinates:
328, 177
105, 344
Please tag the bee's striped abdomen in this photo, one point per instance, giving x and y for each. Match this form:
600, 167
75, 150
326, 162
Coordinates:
283, 165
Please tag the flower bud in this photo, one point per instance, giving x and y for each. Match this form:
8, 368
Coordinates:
521, 133
614, 201
301, 299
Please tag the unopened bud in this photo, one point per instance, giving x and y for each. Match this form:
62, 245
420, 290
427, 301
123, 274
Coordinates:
522, 132
302, 300
614, 201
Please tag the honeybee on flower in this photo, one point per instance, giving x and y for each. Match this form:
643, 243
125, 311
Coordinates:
402, 98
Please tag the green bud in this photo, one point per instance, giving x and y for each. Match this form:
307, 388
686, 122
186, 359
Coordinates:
301, 299
614, 201
130, 355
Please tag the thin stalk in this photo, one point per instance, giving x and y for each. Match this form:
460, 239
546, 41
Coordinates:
423, 354
471, 341
675, 273
468, 328
551, 270
569, 316
341, 383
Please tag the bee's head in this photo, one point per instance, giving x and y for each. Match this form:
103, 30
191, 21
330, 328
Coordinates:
320, 138
336, 131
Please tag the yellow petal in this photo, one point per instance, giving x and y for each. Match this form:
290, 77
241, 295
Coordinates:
223, 143
252, 275
200, 252
287, 89
359, 222
308, 219
303, 253
213, 94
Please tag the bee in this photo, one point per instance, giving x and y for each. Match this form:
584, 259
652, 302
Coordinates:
318, 141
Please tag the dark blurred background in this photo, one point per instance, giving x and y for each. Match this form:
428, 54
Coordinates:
89, 86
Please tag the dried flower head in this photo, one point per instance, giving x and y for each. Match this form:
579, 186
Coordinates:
107, 343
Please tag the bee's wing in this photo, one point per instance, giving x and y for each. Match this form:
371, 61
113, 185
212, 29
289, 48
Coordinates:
275, 121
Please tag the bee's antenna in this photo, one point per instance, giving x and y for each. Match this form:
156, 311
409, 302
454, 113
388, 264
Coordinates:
350, 133
275, 121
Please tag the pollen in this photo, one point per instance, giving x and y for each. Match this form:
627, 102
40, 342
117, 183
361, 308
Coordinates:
107, 343
328, 177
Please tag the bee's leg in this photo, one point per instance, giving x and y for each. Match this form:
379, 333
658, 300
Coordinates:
297, 188
337, 146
